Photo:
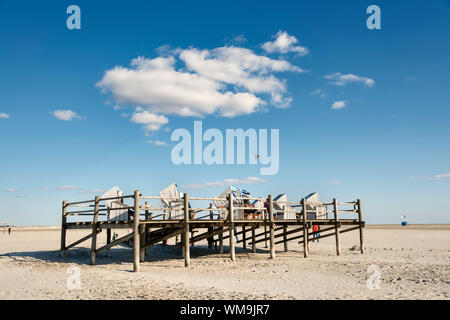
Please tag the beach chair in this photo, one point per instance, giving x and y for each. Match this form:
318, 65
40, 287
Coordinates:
283, 210
120, 212
313, 204
238, 201
173, 201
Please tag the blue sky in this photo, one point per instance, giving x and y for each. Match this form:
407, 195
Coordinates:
388, 146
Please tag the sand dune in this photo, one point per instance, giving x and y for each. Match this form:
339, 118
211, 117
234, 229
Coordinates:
414, 263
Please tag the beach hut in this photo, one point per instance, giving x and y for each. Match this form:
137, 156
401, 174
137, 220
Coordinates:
238, 201
314, 207
117, 211
282, 209
173, 201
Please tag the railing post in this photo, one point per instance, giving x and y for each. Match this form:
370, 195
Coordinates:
136, 240
285, 238
271, 225
336, 226
305, 229
210, 229
231, 218
361, 235
63, 226
94, 230
187, 249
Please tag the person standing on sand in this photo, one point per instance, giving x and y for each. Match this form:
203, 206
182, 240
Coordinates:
9, 231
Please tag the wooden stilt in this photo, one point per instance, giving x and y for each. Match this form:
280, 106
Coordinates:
187, 249
147, 227
253, 239
108, 241
271, 226
305, 229
361, 234
221, 241
231, 219
136, 240
336, 224
94, 230
265, 231
244, 238
210, 229
285, 238
63, 226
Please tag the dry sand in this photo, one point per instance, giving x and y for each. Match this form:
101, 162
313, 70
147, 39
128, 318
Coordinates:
414, 262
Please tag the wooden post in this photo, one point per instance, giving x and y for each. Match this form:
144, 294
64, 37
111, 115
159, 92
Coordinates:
94, 230
210, 229
221, 240
187, 249
361, 235
108, 241
63, 226
285, 238
244, 238
305, 229
336, 226
147, 227
272, 235
136, 241
253, 239
231, 218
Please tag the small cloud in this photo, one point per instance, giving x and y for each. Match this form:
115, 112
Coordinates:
226, 182
436, 177
340, 79
158, 143
338, 105
45, 189
151, 121
284, 43
10, 190
318, 92
336, 182
67, 187
4, 115
66, 115
125, 115
441, 176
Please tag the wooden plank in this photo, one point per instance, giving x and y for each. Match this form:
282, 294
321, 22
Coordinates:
253, 239
285, 238
172, 234
305, 229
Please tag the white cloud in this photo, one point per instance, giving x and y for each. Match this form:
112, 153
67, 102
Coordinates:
67, 187
284, 43
340, 79
151, 121
226, 182
338, 105
336, 182
229, 81
66, 115
318, 92
4, 115
440, 176
158, 143
11, 190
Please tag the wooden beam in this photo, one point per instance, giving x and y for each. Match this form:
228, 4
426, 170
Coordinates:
253, 239
187, 249
174, 233
272, 236
231, 218
94, 230
63, 226
305, 229
136, 242
336, 230
361, 234
82, 240
285, 238
116, 242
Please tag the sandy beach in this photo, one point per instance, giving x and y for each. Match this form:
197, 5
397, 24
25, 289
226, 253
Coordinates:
414, 263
